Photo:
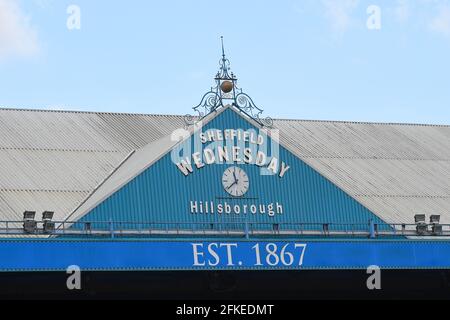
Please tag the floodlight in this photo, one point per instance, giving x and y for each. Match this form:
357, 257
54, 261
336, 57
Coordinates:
48, 224
436, 228
29, 215
47, 215
29, 225
422, 226
435, 219
419, 218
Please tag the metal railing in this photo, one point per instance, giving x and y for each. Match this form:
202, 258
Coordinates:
228, 229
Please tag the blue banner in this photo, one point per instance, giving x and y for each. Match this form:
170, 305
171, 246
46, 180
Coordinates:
114, 255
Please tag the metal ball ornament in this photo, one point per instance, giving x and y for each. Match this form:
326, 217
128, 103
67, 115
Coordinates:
226, 86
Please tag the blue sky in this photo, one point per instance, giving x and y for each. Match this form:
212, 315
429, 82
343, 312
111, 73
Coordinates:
307, 59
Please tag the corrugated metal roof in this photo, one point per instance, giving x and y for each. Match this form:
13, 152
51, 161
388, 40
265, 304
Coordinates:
51, 160
395, 170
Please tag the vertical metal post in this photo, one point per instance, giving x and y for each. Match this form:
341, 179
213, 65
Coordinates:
247, 235
372, 229
111, 229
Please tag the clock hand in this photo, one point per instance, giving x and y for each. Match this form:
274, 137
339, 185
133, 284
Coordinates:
235, 182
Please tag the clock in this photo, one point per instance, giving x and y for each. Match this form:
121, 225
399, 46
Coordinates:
235, 181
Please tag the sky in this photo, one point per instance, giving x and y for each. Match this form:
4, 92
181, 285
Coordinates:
356, 60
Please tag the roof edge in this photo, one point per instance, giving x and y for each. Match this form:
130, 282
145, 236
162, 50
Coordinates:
180, 116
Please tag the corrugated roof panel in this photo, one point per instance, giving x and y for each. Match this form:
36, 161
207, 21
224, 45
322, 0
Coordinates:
14, 203
61, 130
55, 158
380, 177
361, 140
395, 170
55, 170
402, 209
135, 131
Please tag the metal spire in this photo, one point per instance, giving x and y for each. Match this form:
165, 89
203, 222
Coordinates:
224, 66
223, 48
226, 92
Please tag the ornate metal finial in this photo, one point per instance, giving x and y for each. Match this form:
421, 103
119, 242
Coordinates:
226, 92
223, 47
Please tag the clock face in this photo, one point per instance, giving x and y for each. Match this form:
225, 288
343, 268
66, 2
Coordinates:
235, 181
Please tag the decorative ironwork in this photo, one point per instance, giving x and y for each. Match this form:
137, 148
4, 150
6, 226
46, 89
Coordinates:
226, 92
210, 102
246, 105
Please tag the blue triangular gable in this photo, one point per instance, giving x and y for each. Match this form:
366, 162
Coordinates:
164, 194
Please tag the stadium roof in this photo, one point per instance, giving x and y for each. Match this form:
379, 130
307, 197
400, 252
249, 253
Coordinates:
54, 160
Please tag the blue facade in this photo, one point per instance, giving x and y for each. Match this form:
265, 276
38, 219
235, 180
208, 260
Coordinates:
162, 193
145, 255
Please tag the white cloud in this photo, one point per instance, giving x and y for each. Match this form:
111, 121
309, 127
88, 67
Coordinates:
17, 36
339, 13
441, 23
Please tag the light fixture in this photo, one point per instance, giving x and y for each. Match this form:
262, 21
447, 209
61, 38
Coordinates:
48, 224
435, 219
47, 215
419, 218
422, 226
29, 215
436, 227
29, 225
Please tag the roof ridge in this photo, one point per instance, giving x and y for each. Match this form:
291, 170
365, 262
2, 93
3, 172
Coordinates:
180, 116
366, 122
88, 112
2, 148
43, 190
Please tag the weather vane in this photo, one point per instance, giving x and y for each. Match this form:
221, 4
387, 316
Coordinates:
226, 92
